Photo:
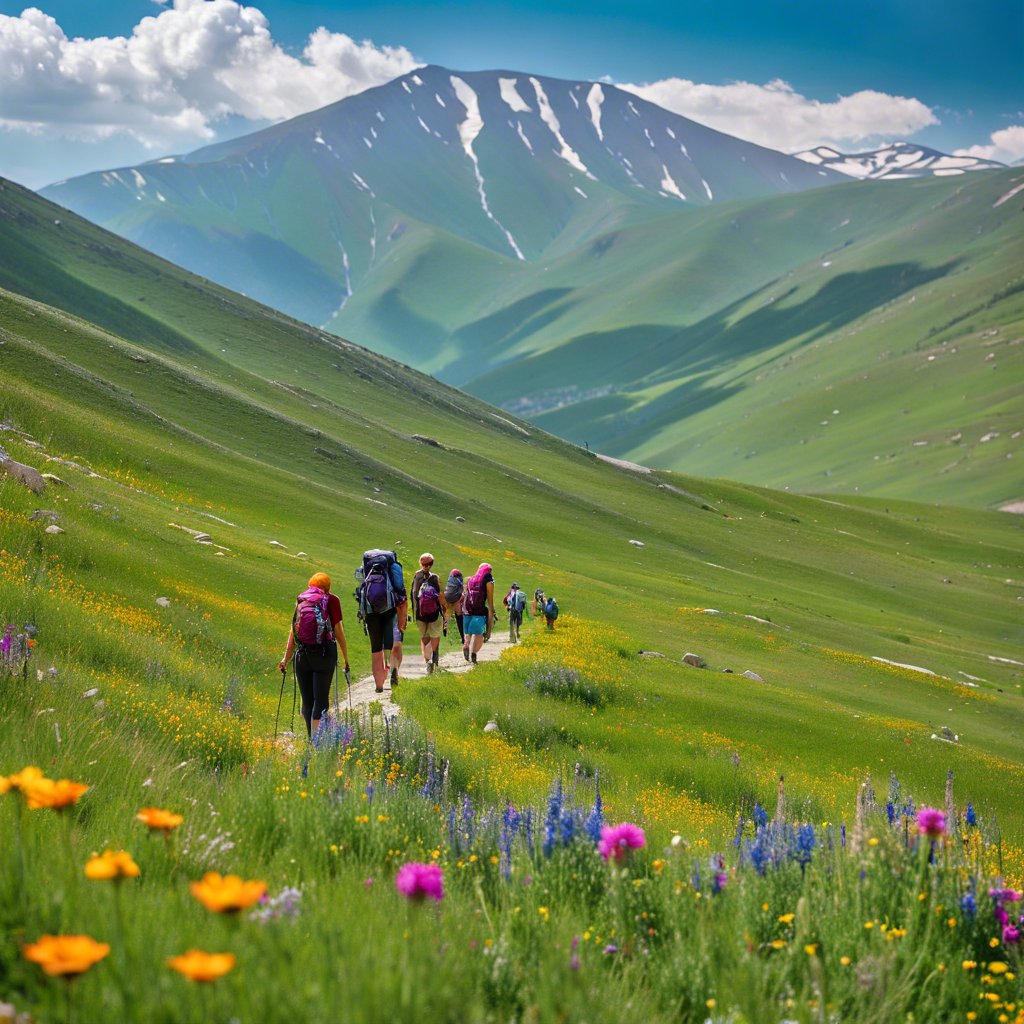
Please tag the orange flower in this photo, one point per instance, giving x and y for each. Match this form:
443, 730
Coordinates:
159, 820
111, 864
199, 966
65, 955
58, 795
26, 777
226, 894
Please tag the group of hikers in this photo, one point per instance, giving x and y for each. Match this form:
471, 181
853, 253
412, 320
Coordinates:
317, 636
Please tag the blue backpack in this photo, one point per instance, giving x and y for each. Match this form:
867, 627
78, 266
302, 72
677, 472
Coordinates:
551, 609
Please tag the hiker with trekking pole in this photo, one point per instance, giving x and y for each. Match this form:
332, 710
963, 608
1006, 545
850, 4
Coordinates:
312, 648
428, 611
480, 616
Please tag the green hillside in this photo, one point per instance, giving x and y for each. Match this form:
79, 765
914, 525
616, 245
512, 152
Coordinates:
167, 406
678, 342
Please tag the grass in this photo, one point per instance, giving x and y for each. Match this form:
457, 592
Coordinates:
158, 429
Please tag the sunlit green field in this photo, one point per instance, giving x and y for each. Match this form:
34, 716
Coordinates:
194, 408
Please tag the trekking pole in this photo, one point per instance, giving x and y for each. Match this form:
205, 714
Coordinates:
295, 688
348, 683
277, 717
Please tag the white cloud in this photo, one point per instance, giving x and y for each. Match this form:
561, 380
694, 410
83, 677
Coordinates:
177, 75
1007, 146
776, 115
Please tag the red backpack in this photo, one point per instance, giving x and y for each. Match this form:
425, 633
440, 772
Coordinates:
312, 621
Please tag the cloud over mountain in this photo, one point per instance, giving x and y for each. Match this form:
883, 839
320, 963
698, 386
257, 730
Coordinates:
776, 115
178, 73
1006, 145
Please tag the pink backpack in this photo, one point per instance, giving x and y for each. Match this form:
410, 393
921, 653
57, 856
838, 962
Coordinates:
312, 622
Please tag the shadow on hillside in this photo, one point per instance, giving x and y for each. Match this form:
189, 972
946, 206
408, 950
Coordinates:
647, 354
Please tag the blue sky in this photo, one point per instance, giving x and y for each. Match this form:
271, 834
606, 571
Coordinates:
956, 64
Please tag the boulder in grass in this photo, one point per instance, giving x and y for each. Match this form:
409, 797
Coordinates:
50, 478
651, 654
491, 726
53, 530
44, 513
637, 543
695, 660
277, 544
25, 475
164, 602
752, 675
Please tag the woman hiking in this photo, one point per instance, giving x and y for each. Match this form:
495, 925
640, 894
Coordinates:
428, 610
312, 647
394, 661
478, 603
382, 607
454, 591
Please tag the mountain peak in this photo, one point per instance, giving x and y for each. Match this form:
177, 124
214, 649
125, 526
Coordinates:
895, 160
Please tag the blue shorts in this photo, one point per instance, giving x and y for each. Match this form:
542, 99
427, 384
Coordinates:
474, 625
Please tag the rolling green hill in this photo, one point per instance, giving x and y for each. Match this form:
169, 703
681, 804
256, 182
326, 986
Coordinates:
163, 401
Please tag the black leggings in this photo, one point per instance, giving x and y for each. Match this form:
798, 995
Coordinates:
462, 633
314, 670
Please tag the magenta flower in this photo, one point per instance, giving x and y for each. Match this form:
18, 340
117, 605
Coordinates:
1005, 894
617, 839
420, 881
1011, 934
931, 822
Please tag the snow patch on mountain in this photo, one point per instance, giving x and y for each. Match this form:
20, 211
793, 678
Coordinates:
668, 184
594, 100
522, 135
895, 161
566, 152
510, 94
469, 129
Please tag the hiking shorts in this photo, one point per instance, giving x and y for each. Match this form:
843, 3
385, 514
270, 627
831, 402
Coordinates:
430, 630
380, 628
475, 625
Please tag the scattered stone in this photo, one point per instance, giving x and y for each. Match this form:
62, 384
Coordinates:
491, 726
277, 544
203, 538
50, 478
43, 513
752, 675
95, 506
637, 543
220, 554
728, 671
651, 654
25, 475
946, 735
423, 439
54, 530
164, 602
89, 694
460, 519
301, 554
695, 660
947, 580
326, 453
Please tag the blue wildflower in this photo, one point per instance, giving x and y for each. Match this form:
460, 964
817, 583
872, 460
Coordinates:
970, 817
760, 818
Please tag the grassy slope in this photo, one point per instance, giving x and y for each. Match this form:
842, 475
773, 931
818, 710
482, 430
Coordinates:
179, 407
746, 320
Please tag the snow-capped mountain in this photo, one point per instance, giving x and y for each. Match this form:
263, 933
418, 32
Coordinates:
897, 160
525, 166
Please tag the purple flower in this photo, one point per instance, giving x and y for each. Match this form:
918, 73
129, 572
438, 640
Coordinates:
1011, 935
420, 881
1005, 894
719, 880
617, 839
574, 959
931, 822
610, 950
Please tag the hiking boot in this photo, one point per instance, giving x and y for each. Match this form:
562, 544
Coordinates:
430, 668
472, 657
437, 657
394, 678
465, 653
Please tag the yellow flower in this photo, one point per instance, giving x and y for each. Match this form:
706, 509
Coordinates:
226, 894
159, 820
710, 1003
845, 961
873, 841
969, 965
811, 949
111, 865
65, 955
199, 966
544, 912
869, 924
778, 944
786, 918
998, 967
